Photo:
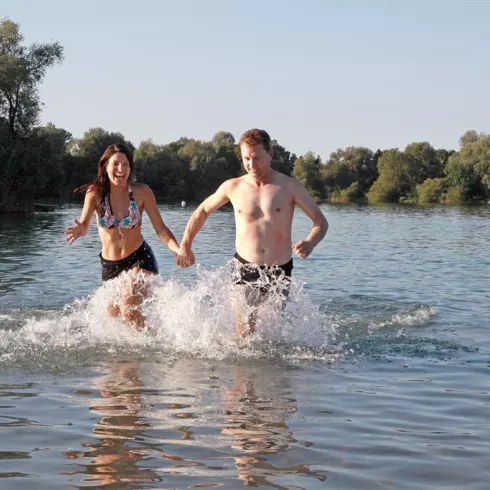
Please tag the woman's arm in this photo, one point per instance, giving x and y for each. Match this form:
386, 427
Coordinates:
80, 228
162, 231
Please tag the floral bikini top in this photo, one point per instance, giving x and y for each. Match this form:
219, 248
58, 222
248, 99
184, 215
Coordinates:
108, 220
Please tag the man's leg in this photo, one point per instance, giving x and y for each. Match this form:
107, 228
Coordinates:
245, 302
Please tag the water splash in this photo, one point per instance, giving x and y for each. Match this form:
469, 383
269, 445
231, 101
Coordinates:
358, 315
414, 316
197, 321
182, 320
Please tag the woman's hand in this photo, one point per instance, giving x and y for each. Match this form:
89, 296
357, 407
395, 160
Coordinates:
74, 232
185, 257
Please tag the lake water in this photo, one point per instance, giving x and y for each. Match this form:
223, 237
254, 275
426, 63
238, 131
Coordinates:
376, 376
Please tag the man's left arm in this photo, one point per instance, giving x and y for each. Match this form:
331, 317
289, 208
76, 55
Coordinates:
302, 199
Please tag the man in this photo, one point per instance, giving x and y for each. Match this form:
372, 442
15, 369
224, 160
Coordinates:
263, 201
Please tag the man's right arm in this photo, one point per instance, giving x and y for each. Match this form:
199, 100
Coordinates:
197, 220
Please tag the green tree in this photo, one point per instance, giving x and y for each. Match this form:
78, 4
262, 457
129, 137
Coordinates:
346, 196
162, 171
146, 148
207, 168
395, 177
94, 142
36, 170
282, 159
471, 136
443, 156
431, 191
426, 161
50, 145
468, 172
462, 179
223, 139
476, 154
307, 171
29, 162
175, 146
22, 69
353, 168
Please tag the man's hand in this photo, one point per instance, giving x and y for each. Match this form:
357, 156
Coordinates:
185, 257
303, 248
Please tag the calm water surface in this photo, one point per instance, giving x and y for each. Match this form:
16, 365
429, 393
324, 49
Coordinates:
376, 377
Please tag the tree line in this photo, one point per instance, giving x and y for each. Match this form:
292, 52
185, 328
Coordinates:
46, 163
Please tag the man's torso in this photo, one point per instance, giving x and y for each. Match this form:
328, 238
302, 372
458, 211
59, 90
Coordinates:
263, 216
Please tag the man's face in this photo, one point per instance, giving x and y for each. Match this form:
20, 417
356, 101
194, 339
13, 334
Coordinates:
256, 160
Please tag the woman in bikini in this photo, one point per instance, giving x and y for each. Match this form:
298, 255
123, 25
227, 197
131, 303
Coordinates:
119, 207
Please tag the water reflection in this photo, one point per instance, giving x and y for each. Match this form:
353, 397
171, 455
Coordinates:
257, 407
192, 424
116, 457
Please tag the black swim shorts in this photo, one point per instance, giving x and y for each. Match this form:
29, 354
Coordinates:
143, 258
264, 277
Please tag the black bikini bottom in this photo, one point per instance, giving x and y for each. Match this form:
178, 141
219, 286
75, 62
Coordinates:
142, 257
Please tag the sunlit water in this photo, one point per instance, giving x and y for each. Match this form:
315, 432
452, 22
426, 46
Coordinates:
376, 375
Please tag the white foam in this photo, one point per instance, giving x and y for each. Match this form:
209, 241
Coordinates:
184, 320
416, 317
413, 317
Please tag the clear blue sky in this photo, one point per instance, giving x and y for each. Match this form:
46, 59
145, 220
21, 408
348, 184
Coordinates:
317, 75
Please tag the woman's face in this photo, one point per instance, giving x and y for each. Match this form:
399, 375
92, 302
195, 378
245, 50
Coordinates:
118, 169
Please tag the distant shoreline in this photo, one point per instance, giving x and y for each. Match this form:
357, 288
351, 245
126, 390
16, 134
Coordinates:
29, 208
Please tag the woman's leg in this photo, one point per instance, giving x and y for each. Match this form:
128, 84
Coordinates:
133, 298
113, 309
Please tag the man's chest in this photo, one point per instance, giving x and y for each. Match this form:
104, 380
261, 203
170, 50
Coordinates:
269, 202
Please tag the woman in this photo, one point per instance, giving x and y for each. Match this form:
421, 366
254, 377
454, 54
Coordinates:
119, 207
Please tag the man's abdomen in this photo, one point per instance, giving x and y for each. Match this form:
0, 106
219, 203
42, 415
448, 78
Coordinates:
263, 242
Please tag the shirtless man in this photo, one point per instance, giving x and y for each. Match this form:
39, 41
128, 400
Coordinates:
263, 201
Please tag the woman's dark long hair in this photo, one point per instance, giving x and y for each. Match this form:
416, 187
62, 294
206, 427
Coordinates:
101, 185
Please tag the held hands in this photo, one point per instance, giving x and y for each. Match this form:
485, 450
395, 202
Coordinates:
303, 248
73, 232
185, 257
